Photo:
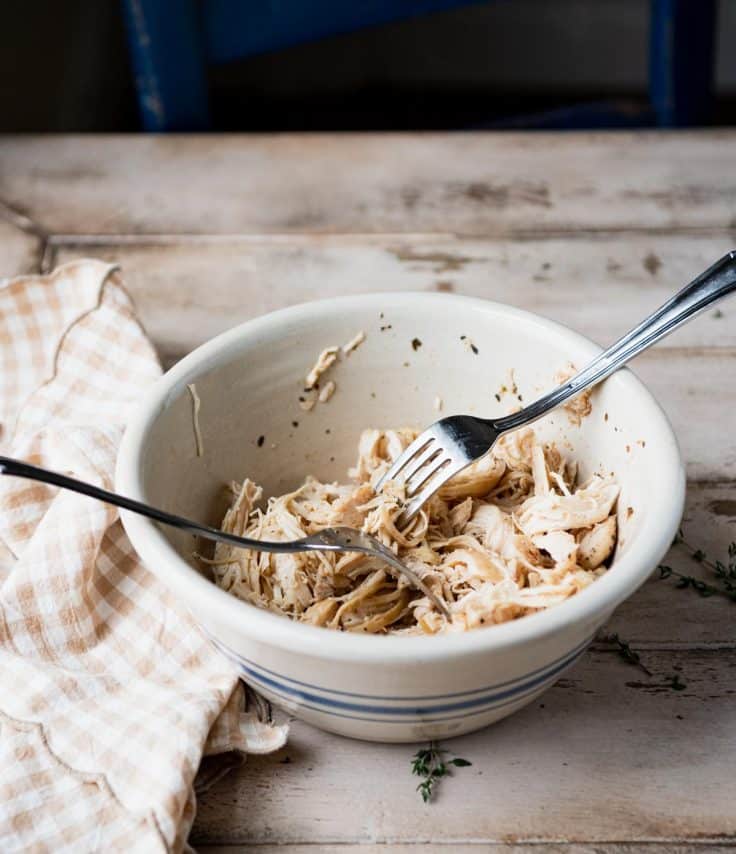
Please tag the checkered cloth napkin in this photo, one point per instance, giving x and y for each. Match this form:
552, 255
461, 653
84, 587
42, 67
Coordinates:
109, 694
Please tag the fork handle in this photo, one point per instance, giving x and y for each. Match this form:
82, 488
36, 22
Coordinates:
715, 283
17, 468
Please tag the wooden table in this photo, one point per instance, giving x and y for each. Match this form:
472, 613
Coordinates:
590, 229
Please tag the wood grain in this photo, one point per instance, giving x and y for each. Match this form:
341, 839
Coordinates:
190, 290
473, 183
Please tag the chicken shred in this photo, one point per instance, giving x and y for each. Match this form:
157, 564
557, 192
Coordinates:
327, 391
509, 536
353, 343
579, 407
324, 362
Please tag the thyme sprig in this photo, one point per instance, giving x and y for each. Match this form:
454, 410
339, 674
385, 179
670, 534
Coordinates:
626, 652
724, 573
429, 764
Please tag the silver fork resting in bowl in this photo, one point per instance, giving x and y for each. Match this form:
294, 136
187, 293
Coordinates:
453, 443
338, 539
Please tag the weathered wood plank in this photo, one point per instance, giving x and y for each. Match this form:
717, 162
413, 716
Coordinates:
190, 291
471, 183
608, 754
696, 392
20, 252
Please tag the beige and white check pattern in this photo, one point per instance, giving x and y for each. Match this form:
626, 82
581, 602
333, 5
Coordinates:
109, 694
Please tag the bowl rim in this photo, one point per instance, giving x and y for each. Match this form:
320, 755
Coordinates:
592, 605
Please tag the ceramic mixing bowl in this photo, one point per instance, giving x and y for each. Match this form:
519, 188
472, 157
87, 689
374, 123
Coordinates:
249, 380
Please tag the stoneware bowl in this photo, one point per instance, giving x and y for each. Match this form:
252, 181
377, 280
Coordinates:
249, 381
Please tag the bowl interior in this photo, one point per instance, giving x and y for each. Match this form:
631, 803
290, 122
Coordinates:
477, 357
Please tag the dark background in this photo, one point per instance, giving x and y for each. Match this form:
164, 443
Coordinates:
64, 67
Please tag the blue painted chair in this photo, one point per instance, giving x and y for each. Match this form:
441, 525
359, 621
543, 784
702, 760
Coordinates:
172, 46
681, 61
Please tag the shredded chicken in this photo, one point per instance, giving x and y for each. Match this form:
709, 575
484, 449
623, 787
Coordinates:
353, 343
579, 407
326, 359
196, 406
509, 536
327, 391
324, 362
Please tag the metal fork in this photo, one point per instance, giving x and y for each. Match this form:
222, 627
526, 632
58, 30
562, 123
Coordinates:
451, 444
340, 539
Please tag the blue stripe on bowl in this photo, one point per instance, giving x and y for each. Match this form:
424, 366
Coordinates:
419, 713
259, 670
340, 708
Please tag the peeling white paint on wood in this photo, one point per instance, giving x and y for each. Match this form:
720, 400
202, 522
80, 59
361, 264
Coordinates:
472, 183
186, 294
600, 287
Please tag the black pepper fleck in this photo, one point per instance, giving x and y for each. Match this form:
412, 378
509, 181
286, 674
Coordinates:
301, 399
415, 344
261, 440
463, 337
327, 430
294, 423
474, 349
498, 397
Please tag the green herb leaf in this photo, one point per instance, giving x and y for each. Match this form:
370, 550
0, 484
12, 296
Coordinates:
723, 574
429, 764
626, 652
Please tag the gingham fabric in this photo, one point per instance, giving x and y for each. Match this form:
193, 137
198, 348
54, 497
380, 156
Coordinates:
109, 693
